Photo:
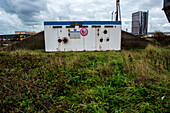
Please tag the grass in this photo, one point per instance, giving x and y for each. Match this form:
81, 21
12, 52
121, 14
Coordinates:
97, 82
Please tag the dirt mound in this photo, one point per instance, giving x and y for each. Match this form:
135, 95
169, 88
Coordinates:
130, 41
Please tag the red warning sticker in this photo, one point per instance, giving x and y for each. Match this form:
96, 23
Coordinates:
84, 31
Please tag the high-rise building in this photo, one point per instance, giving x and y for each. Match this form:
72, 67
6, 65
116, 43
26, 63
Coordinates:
140, 23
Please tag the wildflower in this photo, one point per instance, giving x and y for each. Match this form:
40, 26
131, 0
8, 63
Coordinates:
97, 98
163, 97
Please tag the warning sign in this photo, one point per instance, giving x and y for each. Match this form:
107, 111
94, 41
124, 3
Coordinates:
84, 31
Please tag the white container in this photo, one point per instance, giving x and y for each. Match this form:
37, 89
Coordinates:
82, 35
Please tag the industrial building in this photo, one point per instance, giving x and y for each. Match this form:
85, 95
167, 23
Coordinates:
14, 37
25, 32
82, 35
19, 35
140, 23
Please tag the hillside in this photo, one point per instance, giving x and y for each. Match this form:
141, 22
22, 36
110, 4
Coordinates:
126, 81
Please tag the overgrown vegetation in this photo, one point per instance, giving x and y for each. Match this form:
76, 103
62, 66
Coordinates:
160, 38
127, 81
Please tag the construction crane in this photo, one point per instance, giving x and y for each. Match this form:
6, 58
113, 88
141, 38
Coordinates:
167, 8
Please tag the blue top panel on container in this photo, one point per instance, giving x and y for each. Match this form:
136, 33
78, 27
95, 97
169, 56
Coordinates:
83, 22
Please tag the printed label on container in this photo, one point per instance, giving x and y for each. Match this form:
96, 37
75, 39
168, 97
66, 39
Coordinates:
75, 35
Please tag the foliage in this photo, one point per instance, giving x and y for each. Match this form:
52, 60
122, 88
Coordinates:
158, 34
126, 81
160, 38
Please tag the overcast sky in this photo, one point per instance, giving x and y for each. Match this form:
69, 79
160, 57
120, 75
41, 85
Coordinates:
29, 15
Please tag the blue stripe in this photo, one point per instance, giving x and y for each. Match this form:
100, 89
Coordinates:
83, 22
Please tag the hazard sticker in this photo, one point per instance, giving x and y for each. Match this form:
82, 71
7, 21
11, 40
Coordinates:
84, 31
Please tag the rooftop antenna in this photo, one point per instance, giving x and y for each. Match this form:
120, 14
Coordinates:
112, 15
118, 13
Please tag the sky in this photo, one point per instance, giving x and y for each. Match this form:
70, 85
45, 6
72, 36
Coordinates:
29, 15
